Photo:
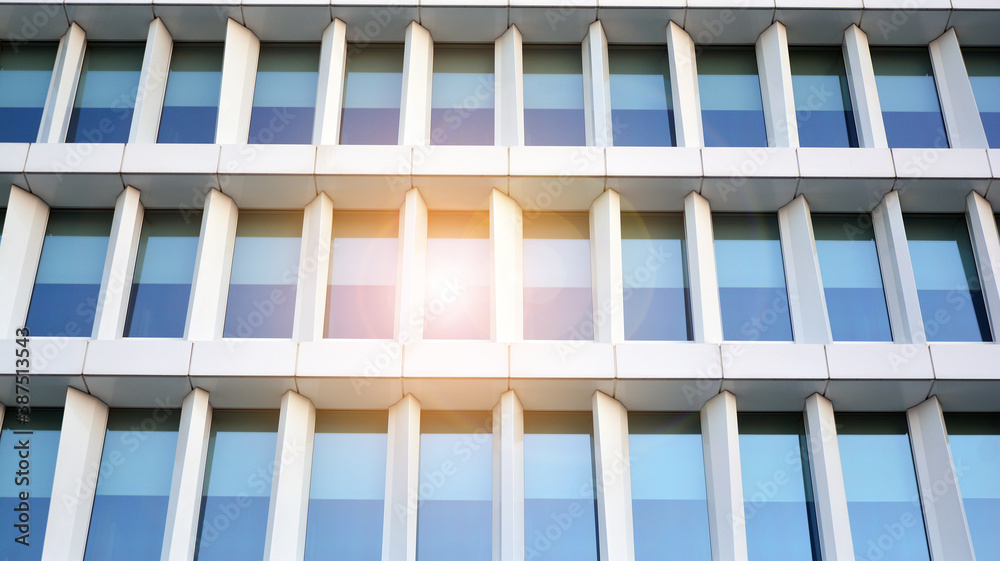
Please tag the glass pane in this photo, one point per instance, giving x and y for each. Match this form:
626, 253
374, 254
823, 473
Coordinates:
373, 94
347, 492
68, 281
106, 95
553, 96
191, 103
164, 270
237, 492
751, 278
984, 72
130, 506
657, 301
823, 108
669, 501
852, 279
560, 507
265, 273
642, 111
362, 297
25, 73
457, 297
951, 301
462, 96
557, 296
23, 523
455, 509
732, 113
909, 98
284, 97
975, 448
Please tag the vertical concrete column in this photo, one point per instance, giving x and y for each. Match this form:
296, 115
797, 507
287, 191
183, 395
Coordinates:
212, 266
330, 92
614, 479
239, 75
62, 87
775, 71
411, 268
286, 519
958, 103
506, 269
418, 68
314, 270
399, 523
116, 283
78, 462
152, 84
20, 248
508, 63
864, 95
606, 267
944, 512
986, 247
684, 87
829, 496
596, 87
897, 271
184, 505
508, 479
699, 240
806, 297
723, 478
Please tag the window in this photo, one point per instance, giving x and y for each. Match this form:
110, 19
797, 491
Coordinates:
951, 301
669, 500
25, 73
657, 301
362, 295
909, 100
373, 95
553, 96
732, 113
455, 508
557, 297
164, 271
462, 96
975, 443
191, 103
983, 66
852, 279
457, 297
823, 108
347, 487
133, 488
284, 96
642, 110
106, 95
265, 272
70, 269
751, 278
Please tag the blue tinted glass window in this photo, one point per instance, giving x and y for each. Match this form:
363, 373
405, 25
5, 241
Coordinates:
657, 301
642, 110
130, 506
909, 100
25, 73
823, 108
852, 278
347, 489
373, 95
191, 103
751, 278
732, 113
553, 96
237, 491
362, 294
457, 293
560, 506
669, 501
557, 295
882, 499
164, 270
284, 96
975, 448
265, 272
951, 300
40, 436
68, 281
984, 73
106, 95
462, 96
455, 508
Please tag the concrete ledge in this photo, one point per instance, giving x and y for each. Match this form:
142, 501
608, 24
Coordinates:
965, 361
364, 177
654, 178
350, 374
13, 156
779, 361
845, 179
244, 357
741, 179
455, 359
562, 359
272, 176
459, 177
138, 357
75, 175
123, 390
171, 175
667, 376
